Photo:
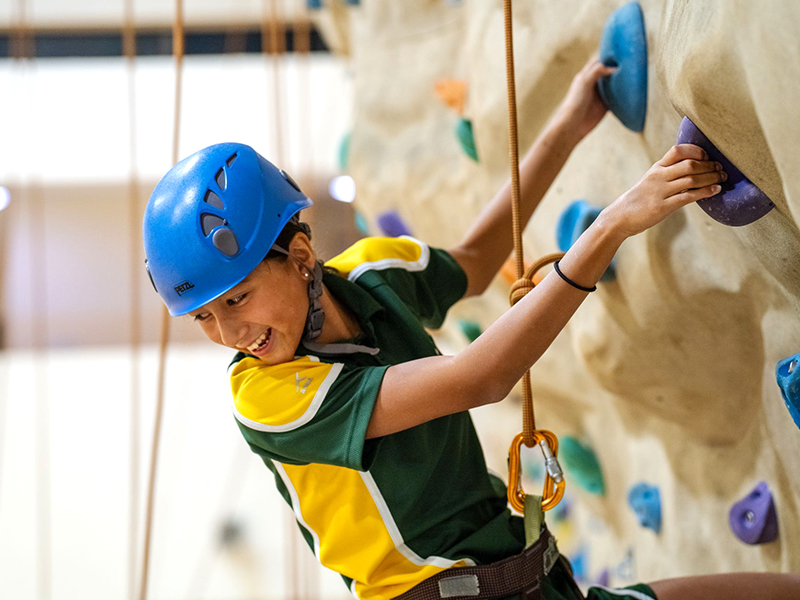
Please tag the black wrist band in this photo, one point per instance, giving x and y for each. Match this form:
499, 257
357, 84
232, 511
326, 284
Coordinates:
569, 281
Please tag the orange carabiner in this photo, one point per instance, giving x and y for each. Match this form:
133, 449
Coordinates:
554, 479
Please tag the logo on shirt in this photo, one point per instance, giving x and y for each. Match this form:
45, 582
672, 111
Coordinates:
302, 383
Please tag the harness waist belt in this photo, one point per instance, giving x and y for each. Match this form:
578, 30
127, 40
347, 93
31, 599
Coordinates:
521, 574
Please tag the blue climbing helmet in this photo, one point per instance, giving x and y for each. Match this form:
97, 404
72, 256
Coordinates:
211, 220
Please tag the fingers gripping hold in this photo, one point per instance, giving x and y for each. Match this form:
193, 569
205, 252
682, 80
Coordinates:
690, 196
690, 166
697, 181
681, 152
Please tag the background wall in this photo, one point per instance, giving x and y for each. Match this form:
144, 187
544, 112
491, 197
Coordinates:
668, 373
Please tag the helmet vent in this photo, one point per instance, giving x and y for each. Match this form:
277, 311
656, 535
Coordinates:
209, 222
231, 158
291, 181
225, 241
222, 181
214, 200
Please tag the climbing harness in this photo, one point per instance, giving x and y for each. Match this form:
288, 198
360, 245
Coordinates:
517, 575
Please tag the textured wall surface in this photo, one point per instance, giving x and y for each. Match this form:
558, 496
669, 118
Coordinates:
669, 371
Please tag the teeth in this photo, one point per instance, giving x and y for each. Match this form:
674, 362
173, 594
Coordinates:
258, 342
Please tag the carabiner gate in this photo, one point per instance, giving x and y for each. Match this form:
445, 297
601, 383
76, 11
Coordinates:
554, 479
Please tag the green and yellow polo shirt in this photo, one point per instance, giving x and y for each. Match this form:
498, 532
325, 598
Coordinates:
385, 513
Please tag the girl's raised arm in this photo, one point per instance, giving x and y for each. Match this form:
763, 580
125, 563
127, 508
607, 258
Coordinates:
422, 390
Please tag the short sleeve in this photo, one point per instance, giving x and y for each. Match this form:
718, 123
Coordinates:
428, 280
306, 411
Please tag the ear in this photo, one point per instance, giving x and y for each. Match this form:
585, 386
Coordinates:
301, 251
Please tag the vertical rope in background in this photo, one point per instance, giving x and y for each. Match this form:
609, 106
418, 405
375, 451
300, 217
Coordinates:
273, 38
273, 44
129, 48
177, 50
302, 53
23, 51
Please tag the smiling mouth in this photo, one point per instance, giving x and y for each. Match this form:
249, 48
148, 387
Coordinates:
261, 343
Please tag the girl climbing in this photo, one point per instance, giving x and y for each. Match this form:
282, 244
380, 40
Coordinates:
339, 388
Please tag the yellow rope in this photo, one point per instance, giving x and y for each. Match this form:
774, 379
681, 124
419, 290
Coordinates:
177, 49
524, 283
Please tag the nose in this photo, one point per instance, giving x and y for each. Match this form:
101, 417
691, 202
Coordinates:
231, 331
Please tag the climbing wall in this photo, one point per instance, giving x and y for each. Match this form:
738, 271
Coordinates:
665, 380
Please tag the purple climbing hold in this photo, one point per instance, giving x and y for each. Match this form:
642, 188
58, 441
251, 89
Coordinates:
740, 202
604, 578
392, 224
753, 519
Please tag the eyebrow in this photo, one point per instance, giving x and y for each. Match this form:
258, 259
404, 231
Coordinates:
244, 281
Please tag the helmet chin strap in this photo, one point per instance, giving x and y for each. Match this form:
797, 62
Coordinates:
316, 315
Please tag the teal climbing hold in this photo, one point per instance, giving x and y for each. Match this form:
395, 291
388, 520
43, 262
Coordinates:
470, 329
624, 45
361, 224
574, 220
788, 375
343, 157
466, 139
645, 500
581, 464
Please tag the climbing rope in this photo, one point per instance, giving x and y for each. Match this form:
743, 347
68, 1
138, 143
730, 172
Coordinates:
24, 48
530, 436
177, 50
129, 50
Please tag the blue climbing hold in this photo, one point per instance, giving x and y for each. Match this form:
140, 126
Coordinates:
741, 201
466, 138
753, 519
645, 500
788, 375
562, 511
314, 4
470, 329
392, 224
580, 564
582, 465
576, 219
624, 45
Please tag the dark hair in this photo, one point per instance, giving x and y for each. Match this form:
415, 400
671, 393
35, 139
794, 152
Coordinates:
292, 228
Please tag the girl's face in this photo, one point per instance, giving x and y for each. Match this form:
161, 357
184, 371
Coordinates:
265, 314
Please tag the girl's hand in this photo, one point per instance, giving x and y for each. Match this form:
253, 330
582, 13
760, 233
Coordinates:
582, 107
683, 176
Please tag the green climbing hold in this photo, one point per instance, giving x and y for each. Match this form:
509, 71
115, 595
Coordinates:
361, 224
466, 139
344, 152
470, 329
581, 465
